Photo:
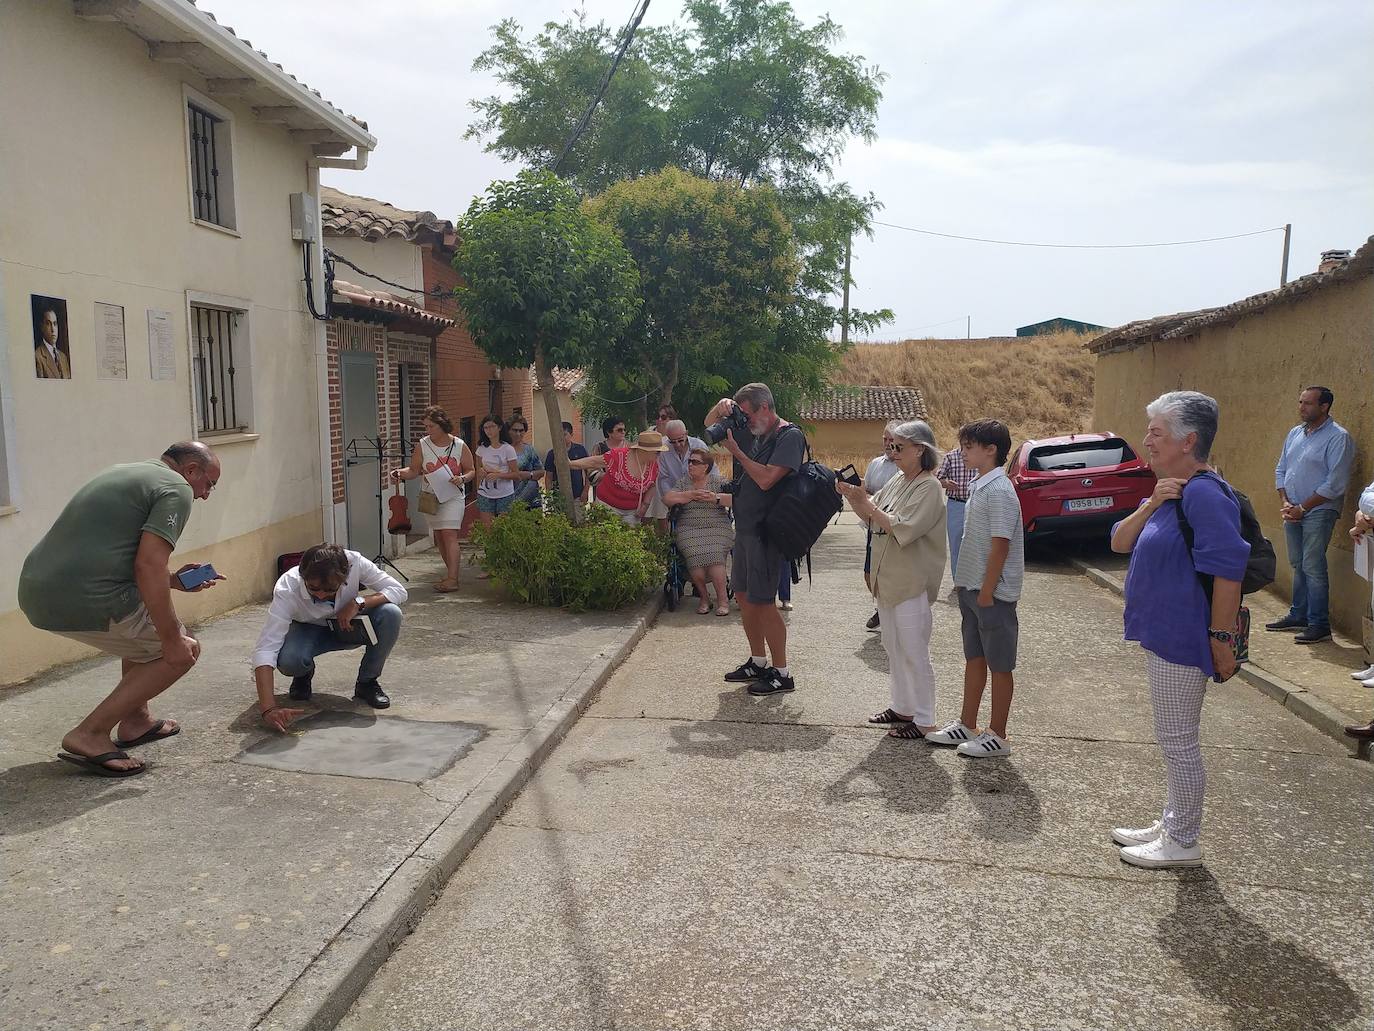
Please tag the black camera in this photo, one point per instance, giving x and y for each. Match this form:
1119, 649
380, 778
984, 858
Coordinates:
736, 420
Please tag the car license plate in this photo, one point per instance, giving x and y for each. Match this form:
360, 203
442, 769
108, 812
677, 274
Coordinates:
1087, 504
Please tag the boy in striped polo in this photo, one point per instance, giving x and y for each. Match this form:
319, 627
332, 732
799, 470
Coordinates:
992, 564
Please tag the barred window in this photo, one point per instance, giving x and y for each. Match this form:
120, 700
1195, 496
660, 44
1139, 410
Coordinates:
220, 379
211, 165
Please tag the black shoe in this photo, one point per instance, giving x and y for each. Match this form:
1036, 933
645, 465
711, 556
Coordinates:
773, 682
1287, 623
872, 623
1312, 635
371, 692
1365, 733
300, 688
744, 674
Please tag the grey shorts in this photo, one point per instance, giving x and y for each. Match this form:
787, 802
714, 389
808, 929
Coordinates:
989, 633
756, 569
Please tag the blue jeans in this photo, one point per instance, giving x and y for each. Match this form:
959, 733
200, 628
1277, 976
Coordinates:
1307, 544
954, 522
305, 641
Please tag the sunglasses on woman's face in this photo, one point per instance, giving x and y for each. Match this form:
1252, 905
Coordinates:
695, 461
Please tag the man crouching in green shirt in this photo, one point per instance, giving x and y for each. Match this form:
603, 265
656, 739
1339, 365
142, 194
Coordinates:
99, 576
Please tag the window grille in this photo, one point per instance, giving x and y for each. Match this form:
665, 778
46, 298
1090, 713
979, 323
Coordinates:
215, 393
205, 184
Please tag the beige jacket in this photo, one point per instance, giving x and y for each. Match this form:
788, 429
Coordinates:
46, 368
911, 559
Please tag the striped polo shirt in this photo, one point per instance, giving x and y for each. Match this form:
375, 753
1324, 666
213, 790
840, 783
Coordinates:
993, 510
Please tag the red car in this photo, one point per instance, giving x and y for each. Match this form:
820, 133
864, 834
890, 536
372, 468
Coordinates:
1078, 485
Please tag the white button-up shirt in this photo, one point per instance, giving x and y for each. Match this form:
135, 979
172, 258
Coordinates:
292, 603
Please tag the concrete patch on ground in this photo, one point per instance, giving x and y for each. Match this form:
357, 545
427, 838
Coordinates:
350, 744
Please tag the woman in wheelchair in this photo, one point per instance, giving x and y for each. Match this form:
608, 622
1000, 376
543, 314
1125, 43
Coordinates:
703, 533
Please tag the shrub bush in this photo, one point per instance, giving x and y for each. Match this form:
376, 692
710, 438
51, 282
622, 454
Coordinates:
542, 559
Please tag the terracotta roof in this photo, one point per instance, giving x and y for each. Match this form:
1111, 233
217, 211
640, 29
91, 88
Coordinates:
389, 307
865, 403
343, 214
1188, 323
570, 380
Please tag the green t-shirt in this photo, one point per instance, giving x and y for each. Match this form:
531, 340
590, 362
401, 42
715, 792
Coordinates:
80, 576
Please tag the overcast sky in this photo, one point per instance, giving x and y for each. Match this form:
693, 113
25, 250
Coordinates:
1052, 122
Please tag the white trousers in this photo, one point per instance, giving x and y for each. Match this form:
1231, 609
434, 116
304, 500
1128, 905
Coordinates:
906, 638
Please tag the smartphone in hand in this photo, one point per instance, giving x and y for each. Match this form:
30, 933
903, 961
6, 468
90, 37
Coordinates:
193, 578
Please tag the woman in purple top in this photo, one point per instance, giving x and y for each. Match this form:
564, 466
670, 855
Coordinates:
1186, 637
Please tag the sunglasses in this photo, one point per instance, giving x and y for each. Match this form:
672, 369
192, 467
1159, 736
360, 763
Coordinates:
695, 461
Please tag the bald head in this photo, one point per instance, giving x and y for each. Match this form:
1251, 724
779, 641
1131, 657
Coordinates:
198, 465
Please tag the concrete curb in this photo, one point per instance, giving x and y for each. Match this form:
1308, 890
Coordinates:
1308, 707
321, 996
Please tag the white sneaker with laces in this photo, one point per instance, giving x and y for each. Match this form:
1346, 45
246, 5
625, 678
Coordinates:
986, 745
1140, 836
1163, 853
1363, 674
952, 734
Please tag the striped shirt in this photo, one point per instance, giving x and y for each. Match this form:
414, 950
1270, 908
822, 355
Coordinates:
993, 511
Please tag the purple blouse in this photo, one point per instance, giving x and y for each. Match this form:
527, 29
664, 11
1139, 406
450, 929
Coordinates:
1166, 609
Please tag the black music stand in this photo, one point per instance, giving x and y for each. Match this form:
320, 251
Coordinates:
366, 449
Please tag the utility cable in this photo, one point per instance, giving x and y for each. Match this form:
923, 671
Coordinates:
627, 37
372, 275
1079, 246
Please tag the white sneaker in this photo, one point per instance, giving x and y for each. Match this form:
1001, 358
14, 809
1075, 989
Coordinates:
953, 734
986, 745
1140, 836
1162, 853
1364, 674
1367, 683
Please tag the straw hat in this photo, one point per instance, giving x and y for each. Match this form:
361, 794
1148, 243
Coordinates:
650, 440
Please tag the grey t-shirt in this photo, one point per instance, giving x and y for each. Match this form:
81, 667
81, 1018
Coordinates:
786, 447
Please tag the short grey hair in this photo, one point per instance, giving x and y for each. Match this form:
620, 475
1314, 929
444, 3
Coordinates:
674, 426
1185, 412
757, 394
918, 432
891, 427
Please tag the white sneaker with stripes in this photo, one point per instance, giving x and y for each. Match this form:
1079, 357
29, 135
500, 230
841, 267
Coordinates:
953, 734
986, 745
1138, 836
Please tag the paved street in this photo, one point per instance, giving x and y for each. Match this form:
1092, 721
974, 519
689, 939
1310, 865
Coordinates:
692, 857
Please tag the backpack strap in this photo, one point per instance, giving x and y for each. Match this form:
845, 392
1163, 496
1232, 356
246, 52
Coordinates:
1185, 528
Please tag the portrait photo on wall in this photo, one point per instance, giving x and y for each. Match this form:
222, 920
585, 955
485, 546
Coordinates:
52, 351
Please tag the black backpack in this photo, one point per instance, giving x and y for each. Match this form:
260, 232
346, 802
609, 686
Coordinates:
1263, 562
800, 506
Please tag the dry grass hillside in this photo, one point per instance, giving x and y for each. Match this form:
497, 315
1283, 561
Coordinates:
1038, 386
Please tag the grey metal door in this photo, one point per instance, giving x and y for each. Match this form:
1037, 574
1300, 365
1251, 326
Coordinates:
362, 474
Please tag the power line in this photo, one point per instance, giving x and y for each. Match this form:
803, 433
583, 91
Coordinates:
1079, 246
628, 35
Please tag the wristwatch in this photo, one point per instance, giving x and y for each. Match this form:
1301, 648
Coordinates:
1224, 636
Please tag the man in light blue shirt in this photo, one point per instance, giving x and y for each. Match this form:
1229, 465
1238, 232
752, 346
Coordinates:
1311, 478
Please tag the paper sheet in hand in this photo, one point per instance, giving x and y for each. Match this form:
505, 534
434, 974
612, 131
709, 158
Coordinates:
1364, 556
441, 483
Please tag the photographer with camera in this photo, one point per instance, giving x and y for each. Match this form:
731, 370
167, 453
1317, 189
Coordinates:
766, 449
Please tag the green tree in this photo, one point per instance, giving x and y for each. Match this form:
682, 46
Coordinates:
718, 273
542, 283
743, 93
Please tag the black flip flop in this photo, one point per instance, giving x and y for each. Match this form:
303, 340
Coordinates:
96, 763
153, 734
907, 732
889, 716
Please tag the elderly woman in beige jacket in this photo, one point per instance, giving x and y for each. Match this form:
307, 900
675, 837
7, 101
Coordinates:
907, 517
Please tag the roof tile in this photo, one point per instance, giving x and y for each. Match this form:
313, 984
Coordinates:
865, 403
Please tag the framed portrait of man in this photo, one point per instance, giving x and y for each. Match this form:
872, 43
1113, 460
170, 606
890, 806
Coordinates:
52, 353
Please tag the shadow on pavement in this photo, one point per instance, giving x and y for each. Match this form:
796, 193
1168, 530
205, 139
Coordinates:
1262, 982
37, 796
1008, 809
873, 654
903, 774
740, 726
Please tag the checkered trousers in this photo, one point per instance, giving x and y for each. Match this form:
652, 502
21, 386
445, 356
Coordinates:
1176, 694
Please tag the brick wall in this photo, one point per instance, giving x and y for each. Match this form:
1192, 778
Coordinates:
461, 371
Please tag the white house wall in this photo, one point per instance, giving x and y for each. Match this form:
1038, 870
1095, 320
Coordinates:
94, 207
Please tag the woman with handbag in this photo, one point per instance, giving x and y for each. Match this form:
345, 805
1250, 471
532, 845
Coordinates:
907, 519
439, 449
1187, 637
